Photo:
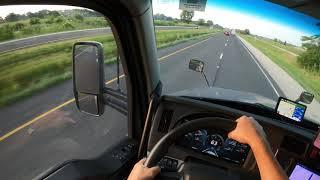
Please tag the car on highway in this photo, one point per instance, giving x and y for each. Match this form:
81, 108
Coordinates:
88, 88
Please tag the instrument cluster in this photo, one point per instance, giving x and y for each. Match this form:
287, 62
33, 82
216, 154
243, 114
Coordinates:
215, 144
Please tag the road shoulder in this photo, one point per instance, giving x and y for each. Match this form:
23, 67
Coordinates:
290, 87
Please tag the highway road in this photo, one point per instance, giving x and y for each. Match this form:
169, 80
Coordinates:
61, 36
47, 129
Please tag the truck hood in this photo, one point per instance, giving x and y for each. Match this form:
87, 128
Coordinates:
227, 94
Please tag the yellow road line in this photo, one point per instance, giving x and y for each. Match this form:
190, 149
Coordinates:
34, 120
44, 114
72, 100
163, 57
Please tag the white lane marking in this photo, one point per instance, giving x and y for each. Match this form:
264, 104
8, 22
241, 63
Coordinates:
225, 44
254, 59
221, 55
164, 57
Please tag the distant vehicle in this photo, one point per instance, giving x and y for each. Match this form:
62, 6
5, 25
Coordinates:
227, 33
233, 32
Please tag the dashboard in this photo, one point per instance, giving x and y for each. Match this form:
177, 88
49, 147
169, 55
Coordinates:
215, 144
290, 143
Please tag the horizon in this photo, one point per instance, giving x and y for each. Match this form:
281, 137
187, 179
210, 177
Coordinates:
281, 23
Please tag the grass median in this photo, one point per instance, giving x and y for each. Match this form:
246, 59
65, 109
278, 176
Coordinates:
288, 62
27, 71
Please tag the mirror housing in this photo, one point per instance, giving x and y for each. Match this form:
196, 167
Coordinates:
88, 77
305, 97
196, 65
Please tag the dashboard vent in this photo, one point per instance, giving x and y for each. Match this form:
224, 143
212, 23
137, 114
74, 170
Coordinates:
165, 121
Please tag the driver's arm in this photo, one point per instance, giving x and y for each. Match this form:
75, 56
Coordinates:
249, 131
140, 172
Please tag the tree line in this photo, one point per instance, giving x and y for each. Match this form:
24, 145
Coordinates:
12, 17
33, 23
310, 59
45, 21
186, 17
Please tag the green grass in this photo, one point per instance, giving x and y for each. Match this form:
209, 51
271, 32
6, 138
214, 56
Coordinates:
46, 26
8, 30
27, 71
288, 47
170, 37
309, 80
171, 23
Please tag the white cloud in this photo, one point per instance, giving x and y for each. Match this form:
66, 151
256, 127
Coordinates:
237, 20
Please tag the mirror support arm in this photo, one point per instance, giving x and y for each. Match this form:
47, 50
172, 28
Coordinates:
117, 104
116, 100
116, 94
205, 77
118, 71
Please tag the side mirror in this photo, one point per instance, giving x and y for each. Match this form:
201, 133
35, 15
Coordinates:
88, 77
305, 97
196, 65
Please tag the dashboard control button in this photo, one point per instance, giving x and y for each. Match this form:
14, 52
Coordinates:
168, 164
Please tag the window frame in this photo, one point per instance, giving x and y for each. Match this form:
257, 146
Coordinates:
134, 33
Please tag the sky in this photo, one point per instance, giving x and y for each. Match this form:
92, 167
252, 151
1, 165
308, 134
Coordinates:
260, 17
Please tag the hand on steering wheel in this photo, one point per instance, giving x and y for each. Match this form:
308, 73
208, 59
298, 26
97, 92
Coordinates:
140, 172
248, 131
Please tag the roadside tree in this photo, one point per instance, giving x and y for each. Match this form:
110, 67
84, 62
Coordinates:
310, 59
186, 16
210, 23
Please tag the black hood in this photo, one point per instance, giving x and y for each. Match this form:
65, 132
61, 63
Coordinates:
227, 94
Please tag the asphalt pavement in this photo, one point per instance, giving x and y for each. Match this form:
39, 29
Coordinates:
62, 36
59, 132
227, 65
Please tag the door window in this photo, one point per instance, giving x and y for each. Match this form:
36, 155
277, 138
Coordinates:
40, 124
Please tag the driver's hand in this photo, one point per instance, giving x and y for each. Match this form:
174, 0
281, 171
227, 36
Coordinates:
139, 172
248, 131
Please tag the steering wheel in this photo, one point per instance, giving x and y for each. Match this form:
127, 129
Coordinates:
161, 148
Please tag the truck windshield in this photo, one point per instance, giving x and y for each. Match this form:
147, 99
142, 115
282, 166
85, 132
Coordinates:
249, 46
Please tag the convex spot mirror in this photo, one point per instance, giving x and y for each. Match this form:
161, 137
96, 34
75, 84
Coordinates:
88, 77
196, 65
306, 97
